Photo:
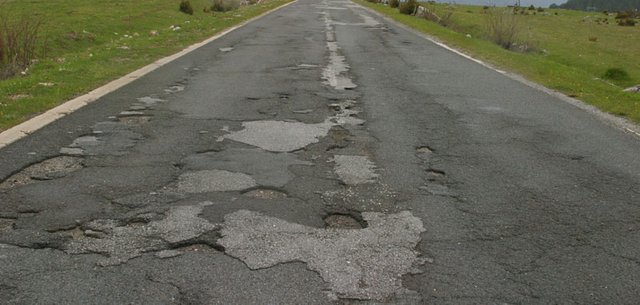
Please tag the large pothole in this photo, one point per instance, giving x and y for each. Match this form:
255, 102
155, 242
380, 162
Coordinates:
49, 169
344, 221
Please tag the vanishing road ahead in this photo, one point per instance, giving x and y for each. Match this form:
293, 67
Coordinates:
322, 155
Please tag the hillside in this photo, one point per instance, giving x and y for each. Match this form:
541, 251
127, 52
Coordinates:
601, 5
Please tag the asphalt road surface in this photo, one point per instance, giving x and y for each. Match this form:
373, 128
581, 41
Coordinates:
321, 155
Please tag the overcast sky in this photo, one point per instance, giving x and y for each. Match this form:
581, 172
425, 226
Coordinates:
543, 3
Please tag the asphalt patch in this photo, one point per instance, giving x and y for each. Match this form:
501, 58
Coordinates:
366, 264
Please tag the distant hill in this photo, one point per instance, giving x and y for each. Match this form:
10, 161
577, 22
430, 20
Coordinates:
600, 5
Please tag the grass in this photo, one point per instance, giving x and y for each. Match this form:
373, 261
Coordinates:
574, 51
89, 43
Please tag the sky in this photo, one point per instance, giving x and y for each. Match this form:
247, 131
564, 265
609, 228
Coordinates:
543, 3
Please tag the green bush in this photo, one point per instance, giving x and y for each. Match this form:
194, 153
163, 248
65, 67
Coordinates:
408, 7
616, 74
185, 7
394, 3
225, 5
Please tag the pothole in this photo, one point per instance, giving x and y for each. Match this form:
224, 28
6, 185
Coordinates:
49, 169
130, 113
434, 174
148, 100
344, 221
174, 89
121, 243
134, 120
264, 193
437, 190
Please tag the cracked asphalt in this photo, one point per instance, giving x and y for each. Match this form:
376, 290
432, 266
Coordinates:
322, 155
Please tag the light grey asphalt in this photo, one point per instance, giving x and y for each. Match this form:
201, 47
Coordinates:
209, 181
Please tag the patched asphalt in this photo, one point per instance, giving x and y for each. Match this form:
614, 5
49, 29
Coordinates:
322, 155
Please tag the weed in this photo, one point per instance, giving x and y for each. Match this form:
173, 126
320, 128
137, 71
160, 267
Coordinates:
408, 7
502, 27
616, 74
185, 7
19, 39
593, 38
225, 5
394, 3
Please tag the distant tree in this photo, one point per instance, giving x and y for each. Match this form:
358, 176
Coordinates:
610, 5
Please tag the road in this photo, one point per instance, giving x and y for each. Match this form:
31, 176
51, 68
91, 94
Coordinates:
322, 155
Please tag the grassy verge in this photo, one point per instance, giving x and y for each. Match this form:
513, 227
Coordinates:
89, 43
575, 51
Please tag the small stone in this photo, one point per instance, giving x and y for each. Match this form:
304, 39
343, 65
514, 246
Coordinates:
634, 89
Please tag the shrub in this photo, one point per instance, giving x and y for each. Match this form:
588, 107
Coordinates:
394, 3
19, 40
627, 22
185, 7
532, 8
444, 19
616, 74
408, 7
502, 27
624, 15
225, 5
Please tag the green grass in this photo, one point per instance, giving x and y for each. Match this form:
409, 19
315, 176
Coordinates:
567, 60
87, 46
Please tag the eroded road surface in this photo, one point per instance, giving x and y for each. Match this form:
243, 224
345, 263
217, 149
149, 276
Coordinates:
321, 155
